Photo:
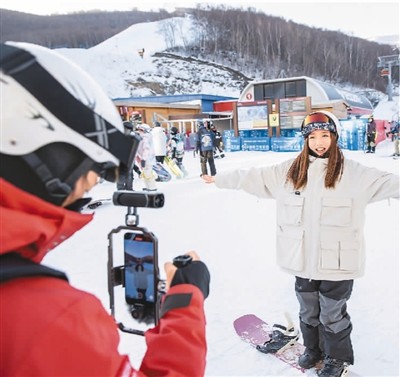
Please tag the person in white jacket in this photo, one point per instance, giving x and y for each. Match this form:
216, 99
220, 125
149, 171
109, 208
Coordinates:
145, 157
320, 219
160, 142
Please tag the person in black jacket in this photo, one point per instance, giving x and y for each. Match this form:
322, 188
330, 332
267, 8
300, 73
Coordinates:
205, 146
371, 135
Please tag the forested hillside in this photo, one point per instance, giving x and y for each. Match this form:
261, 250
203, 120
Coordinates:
82, 29
258, 45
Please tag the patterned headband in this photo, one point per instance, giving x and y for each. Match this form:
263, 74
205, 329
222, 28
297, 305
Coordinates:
317, 121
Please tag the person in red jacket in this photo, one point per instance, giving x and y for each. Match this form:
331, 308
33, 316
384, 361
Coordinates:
61, 134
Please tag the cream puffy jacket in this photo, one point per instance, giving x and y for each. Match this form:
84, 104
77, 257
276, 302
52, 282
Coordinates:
319, 230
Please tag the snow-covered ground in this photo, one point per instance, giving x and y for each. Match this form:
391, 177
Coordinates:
234, 234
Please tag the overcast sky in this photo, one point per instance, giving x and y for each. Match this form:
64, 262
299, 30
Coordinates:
364, 19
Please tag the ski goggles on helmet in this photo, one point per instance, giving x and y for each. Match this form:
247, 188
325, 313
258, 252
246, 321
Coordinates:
317, 121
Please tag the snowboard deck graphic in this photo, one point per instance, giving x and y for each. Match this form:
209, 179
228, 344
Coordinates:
253, 330
173, 167
162, 174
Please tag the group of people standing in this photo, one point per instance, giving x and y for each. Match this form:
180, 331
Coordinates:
157, 143
372, 135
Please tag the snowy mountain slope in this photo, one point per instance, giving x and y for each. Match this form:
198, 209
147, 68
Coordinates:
122, 72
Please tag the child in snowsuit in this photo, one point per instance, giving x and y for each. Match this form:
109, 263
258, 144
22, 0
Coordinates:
176, 148
320, 218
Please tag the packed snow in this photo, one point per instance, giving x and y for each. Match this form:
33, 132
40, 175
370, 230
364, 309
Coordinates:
234, 233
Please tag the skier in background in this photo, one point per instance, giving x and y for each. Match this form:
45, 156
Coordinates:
205, 146
176, 148
145, 157
125, 179
394, 132
160, 140
371, 134
218, 145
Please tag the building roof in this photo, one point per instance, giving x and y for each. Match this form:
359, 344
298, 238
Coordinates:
319, 91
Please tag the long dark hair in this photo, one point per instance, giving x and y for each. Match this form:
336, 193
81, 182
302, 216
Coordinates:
297, 174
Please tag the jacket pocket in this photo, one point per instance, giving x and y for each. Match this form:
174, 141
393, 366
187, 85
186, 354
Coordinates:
336, 212
290, 211
290, 249
339, 254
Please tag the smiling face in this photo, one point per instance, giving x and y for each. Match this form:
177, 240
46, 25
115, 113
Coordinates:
319, 141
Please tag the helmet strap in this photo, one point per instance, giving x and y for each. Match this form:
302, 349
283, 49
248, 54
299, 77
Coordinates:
57, 189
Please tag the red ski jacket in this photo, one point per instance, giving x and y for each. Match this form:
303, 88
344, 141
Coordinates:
49, 328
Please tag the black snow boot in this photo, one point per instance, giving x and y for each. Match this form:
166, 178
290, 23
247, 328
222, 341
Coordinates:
309, 359
333, 368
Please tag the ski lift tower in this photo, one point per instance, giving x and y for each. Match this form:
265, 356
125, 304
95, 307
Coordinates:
386, 63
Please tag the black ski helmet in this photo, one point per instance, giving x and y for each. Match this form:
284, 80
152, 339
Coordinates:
174, 130
57, 124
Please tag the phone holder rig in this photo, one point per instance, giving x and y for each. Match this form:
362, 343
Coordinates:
116, 276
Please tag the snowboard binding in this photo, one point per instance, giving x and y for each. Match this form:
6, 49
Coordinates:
281, 339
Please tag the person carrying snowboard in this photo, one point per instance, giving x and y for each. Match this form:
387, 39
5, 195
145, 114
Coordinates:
145, 157
176, 148
218, 144
61, 134
320, 219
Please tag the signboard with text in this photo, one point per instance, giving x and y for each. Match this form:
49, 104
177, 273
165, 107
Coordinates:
252, 115
292, 111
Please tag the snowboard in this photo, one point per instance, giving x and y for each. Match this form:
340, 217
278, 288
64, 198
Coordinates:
162, 174
173, 167
256, 332
219, 154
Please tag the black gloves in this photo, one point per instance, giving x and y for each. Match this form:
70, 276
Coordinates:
195, 273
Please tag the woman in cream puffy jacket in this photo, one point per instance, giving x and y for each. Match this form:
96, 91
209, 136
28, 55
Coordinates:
320, 219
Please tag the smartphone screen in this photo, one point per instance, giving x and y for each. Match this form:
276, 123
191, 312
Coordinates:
140, 263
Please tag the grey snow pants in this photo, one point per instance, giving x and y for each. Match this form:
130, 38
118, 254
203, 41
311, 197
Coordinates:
324, 321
